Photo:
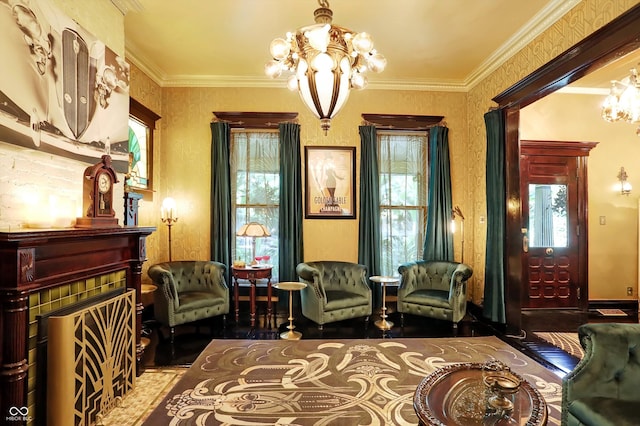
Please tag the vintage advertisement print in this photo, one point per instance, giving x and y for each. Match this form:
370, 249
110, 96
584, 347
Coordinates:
330, 182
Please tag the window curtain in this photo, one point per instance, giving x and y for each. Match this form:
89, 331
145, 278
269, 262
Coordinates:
494, 305
369, 227
221, 195
438, 242
290, 223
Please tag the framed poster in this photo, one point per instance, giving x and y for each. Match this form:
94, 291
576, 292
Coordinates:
330, 174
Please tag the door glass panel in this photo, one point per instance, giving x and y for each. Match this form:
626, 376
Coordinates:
548, 219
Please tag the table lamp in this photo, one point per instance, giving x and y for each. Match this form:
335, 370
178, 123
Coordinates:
253, 230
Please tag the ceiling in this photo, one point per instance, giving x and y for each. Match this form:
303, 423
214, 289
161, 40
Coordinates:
429, 44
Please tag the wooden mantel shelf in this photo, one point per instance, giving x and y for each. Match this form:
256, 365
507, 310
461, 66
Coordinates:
32, 260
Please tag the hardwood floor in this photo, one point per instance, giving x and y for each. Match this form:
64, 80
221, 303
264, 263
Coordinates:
191, 339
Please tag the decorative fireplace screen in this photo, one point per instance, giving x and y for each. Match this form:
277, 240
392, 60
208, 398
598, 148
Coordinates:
91, 360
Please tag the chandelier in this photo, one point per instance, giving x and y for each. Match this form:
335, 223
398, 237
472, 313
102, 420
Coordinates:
325, 62
623, 102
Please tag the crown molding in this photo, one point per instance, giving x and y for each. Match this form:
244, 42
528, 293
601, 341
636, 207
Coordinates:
536, 26
126, 6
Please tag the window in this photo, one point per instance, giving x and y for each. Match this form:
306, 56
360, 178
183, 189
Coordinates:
142, 122
403, 169
255, 191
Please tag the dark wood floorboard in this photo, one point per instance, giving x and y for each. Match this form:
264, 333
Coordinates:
191, 339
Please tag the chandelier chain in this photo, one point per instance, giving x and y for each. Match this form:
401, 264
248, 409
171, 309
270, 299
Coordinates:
324, 3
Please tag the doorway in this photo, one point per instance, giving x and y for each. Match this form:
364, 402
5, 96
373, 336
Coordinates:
553, 188
618, 37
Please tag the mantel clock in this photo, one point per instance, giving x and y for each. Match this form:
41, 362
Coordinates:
97, 196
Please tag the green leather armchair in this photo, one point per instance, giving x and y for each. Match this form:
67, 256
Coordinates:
189, 291
435, 289
335, 291
603, 389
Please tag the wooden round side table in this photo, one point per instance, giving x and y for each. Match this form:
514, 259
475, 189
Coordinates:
290, 287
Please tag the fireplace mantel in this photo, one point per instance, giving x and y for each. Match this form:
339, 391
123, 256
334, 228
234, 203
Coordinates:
36, 260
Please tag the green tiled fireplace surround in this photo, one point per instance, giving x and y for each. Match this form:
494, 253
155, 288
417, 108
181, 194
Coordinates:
55, 298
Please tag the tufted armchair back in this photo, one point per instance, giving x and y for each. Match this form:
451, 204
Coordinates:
335, 290
334, 275
444, 276
436, 289
600, 388
189, 291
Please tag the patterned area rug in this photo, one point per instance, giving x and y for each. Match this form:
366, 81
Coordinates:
151, 388
321, 382
568, 342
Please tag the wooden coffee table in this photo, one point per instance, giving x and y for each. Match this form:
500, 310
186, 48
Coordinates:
456, 395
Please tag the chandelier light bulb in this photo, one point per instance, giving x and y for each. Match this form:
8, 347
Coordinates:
279, 49
377, 63
362, 43
273, 68
292, 83
358, 81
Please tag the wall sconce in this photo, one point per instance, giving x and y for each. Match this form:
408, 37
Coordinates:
253, 230
169, 215
625, 186
457, 212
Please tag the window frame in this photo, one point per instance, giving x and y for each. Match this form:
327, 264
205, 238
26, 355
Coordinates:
421, 209
148, 119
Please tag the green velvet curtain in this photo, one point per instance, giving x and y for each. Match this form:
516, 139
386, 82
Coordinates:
438, 242
369, 227
290, 247
221, 195
494, 279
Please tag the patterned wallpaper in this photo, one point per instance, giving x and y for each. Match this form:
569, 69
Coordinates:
582, 20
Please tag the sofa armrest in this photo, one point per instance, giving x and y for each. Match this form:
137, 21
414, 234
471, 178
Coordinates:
610, 367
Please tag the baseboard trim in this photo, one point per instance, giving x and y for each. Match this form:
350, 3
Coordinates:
625, 305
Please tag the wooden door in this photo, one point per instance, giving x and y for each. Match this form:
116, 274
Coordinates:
553, 193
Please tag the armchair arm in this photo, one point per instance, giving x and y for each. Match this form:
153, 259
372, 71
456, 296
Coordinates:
408, 278
217, 284
163, 278
610, 366
459, 278
312, 276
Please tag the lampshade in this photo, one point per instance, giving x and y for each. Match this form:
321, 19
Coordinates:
325, 62
253, 229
